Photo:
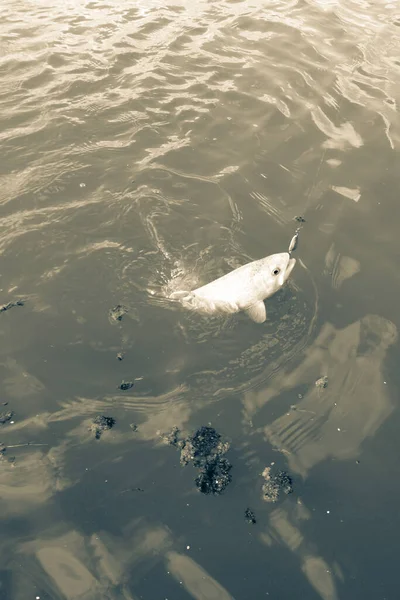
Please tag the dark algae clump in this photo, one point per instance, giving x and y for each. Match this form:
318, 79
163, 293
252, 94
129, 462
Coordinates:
172, 438
125, 385
322, 382
205, 443
3, 455
275, 484
206, 451
5, 307
249, 516
117, 312
2, 451
214, 475
100, 424
6, 416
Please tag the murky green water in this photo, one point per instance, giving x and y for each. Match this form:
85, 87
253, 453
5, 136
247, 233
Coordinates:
146, 144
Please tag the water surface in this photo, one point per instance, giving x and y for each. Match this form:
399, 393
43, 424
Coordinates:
146, 145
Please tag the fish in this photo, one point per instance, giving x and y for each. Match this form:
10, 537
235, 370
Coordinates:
243, 289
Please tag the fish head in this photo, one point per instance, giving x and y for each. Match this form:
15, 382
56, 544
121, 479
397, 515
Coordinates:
276, 271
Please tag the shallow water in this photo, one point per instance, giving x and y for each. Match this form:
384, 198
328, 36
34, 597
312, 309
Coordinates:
146, 145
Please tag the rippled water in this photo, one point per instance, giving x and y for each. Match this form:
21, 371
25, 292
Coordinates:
145, 145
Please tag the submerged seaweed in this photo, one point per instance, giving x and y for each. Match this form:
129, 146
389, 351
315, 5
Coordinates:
206, 451
275, 484
100, 424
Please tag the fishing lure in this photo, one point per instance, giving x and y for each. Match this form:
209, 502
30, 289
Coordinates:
294, 242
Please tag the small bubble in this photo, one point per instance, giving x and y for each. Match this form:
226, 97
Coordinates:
82, 185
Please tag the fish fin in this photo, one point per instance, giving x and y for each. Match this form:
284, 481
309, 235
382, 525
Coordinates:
257, 312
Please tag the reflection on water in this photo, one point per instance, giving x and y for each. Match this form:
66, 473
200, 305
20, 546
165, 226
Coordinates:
340, 267
315, 568
153, 147
336, 420
26, 485
195, 580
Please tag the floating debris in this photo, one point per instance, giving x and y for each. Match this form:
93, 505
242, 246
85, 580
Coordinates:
136, 489
172, 438
6, 416
125, 385
120, 356
11, 305
275, 484
134, 427
100, 424
250, 516
4, 457
117, 312
300, 219
206, 451
322, 382
25, 445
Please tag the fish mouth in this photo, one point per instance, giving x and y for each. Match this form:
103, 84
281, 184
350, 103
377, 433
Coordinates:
287, 269
290, 267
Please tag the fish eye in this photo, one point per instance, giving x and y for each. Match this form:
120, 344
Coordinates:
276, 271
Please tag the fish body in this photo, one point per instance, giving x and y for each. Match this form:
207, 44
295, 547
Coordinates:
243, 289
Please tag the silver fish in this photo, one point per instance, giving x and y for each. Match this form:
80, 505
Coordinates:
245, 288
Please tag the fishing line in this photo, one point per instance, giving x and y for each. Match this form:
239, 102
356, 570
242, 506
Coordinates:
357, 63
294, 241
